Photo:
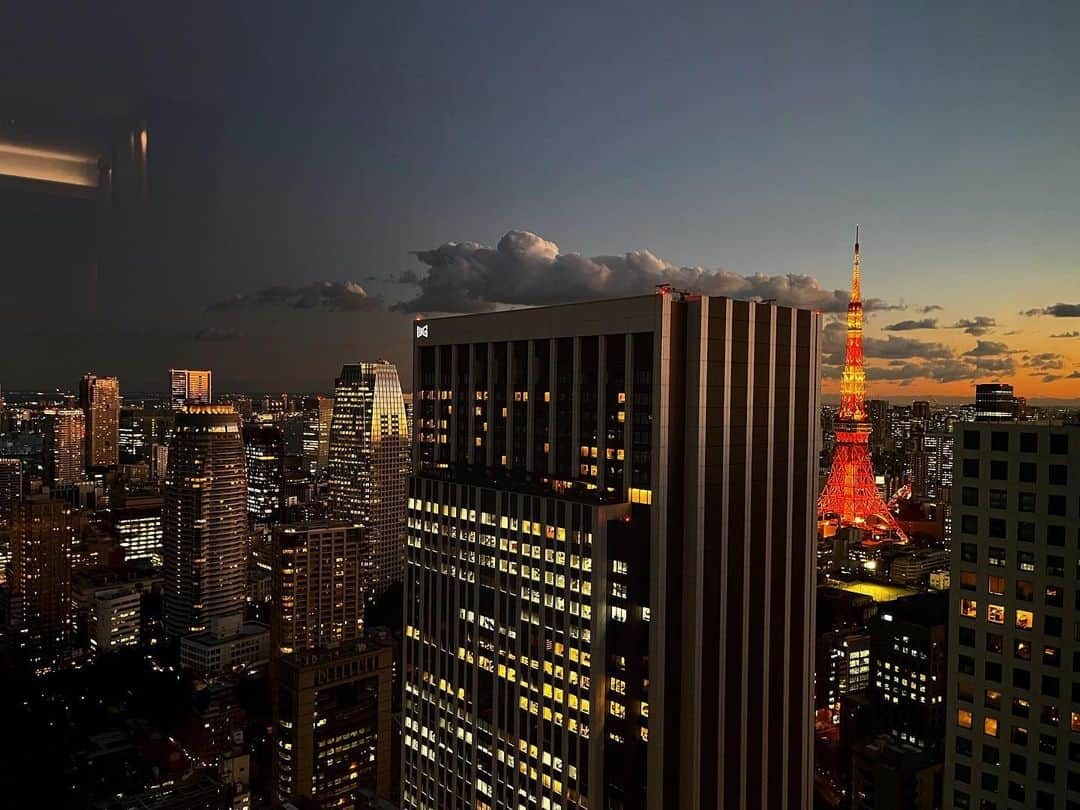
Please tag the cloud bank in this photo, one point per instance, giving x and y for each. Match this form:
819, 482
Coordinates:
527, 270
1058, 310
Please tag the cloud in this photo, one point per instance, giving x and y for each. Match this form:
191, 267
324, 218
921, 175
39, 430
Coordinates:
942, 370
1052, 377
1047, 361
1066, 335
907, 326
994, 365
977, 326
987, 348
1058, 310
326, 296
218, 335
527, 270
930, 308
894, 348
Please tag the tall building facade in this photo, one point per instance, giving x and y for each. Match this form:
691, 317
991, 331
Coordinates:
264, 452
851, 496
99, 398
40, 579
10, 488
1014, 706
64, 443
187, 387
996, 402
332, 714
136, 525
609, 581
317, 585
317, 415
368, 463
204, 522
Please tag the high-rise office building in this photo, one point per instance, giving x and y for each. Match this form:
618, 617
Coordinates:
137, 527
187, 387
1014, 704
317, 585
909, 649
368, 463
40, 579
995, 402
10, 488
317, 414
877, 410
204, 522
610, 561
65, 434
99, 398
332, 713
264, 453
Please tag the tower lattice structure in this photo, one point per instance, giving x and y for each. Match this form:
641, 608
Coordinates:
851, 497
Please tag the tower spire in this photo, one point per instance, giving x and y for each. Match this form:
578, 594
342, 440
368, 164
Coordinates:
856, 285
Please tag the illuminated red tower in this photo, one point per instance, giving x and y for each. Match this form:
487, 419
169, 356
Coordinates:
851, 496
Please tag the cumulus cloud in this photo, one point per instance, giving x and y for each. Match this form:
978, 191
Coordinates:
1066, 334
1046, 361
215, 334
900, 348
527, 270
930, 308
1058, 310
327, 296
1053, 377
977, 326
908, 326
987, 348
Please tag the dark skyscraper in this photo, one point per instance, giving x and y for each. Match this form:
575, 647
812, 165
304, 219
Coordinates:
41, 579
204, 522
264, 452
367, 465
609, 583
1013, 719
995, 402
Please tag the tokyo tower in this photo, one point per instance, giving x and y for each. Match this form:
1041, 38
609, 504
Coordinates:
851, 497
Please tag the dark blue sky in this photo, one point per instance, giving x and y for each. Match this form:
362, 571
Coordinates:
744, 138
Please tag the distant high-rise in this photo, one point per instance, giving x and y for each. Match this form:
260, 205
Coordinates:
317, 585
332, 717
137, 527
995, 402
264, 452
65, 435
188, 387
1013, 714
609, 589
204, 522
10, 488
368, 463
317, 415
99, 398
40, 578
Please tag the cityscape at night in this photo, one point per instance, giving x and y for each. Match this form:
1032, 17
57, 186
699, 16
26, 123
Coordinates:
330, 480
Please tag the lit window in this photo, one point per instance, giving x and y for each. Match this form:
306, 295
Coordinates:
995, 614
996, 585
968, 608
1074, 721
616, 709
1025, 619
963, 718
990, 726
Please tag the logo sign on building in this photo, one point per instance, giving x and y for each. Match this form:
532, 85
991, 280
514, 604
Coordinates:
421, 330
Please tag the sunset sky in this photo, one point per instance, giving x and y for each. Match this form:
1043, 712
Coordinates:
366, 153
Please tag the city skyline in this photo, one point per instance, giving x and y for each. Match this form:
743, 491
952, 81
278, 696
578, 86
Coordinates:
748, 142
